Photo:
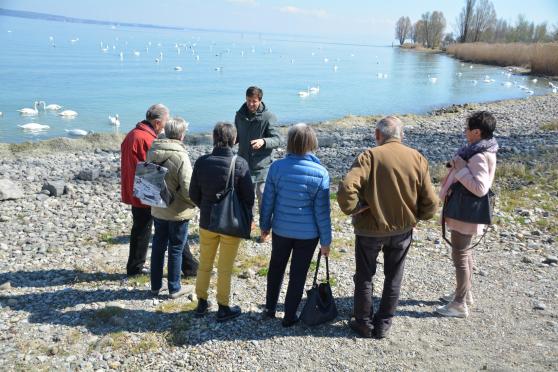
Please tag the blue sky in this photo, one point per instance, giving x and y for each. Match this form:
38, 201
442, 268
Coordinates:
349, 20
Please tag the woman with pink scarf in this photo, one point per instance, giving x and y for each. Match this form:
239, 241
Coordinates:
474, 166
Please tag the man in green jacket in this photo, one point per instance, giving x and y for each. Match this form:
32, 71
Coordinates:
256, 137
387, 190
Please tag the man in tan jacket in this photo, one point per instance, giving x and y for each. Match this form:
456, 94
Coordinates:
387, 190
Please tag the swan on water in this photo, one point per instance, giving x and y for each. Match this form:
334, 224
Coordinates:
535, 80
30, 111
178, 68
315, 90
304, 93
433, 80
68, 113
136, 53
78, 132
50, 107
114, 120
34, 126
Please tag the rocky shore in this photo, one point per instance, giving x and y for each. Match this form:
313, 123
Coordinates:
65, 303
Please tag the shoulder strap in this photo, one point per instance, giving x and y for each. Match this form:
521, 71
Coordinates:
230, 179
315, 282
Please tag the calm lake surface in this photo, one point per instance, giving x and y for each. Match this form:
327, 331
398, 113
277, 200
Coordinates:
40, 62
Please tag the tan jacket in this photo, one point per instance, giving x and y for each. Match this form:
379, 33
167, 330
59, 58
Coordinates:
172, 155
394, 182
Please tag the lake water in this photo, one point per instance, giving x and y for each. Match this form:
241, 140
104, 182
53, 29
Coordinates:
217, 68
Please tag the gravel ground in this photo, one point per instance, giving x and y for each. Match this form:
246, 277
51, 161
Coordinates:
65, 303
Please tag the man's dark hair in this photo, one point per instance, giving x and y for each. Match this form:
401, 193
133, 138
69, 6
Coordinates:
254, 92
483, 121
224, 134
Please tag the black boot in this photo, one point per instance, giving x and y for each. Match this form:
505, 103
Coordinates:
201, 310
227, 313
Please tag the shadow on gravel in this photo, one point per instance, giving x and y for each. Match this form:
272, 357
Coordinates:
55, 277
175, 319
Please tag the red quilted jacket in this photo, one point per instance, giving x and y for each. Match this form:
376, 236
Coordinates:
132, 151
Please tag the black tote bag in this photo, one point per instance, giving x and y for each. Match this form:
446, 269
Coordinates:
320, 305
230, 216
463, 205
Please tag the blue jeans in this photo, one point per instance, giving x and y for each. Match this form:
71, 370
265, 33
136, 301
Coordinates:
173, 234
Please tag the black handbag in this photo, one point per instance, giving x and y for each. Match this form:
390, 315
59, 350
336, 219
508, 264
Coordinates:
320, 305
462, 205
230, 216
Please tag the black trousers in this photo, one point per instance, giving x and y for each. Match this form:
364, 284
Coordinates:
142, 222
302, 252
139, 243
395, 250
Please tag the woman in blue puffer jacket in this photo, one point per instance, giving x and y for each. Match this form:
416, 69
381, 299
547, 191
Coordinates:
295, 206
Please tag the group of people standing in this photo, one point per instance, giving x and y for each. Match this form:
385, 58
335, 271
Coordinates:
387, 191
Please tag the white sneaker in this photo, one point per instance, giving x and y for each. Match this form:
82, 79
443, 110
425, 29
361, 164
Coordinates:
469, 300
454, 310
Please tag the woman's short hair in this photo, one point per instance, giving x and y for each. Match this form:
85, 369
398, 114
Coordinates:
483, 121
175, 128
301, 139
224, 134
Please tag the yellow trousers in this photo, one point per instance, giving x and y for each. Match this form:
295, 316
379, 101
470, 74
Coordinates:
209, 243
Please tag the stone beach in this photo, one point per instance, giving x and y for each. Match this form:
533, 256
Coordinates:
65, 303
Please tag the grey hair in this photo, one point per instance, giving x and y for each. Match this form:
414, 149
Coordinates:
175, 128
156, 112
390, 127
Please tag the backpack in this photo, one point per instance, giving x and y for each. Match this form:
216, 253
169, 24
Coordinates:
150, 186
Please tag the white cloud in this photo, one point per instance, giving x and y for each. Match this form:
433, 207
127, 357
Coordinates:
319, 13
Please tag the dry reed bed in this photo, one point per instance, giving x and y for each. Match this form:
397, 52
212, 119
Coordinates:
541, 58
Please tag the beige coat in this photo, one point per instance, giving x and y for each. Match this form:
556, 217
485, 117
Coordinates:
394, 182
172, 155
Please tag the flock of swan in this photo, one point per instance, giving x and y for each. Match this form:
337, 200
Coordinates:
53, 107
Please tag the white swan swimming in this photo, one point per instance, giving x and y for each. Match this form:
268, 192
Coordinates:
304, 93
78, 132
433, 80
315, 90
30, 111
50, 107
34, 126
68, 113
114, 120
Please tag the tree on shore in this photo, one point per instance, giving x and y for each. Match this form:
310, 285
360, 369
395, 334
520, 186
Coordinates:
483, 19
464, 20
403, 29
430, 28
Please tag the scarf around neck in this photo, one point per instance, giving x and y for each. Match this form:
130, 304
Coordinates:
484, 145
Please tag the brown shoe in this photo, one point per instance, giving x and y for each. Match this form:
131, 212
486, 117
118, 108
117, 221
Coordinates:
363, 330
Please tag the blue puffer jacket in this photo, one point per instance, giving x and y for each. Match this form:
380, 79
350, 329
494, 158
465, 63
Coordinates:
295, 202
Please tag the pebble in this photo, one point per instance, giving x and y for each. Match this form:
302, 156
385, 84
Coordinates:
539, 306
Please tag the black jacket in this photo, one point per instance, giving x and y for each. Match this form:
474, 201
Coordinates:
251, 126
209, 178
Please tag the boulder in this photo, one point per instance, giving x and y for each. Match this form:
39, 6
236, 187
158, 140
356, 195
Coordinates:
88, 175
10, 190
55, 187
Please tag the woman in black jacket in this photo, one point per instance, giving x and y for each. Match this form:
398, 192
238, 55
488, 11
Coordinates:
209, 178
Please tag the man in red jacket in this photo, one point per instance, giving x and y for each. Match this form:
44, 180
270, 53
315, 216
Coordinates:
132, 151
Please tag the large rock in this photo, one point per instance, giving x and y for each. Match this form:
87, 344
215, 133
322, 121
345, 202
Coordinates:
10, 190
55, 187
88, 175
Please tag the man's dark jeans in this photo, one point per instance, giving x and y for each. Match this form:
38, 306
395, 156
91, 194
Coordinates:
395, 250
139, 239
281, 248
174, 235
